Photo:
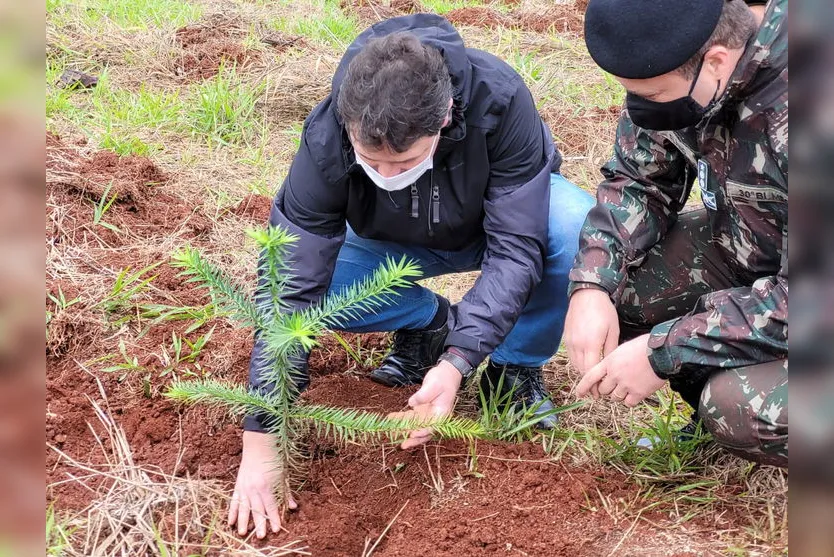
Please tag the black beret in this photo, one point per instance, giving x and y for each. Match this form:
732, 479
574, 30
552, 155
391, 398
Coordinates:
638, 39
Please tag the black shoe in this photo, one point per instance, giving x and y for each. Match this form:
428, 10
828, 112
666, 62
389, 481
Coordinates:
414, 353
527, 389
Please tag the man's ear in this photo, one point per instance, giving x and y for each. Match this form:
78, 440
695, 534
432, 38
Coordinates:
448, 119
715, 61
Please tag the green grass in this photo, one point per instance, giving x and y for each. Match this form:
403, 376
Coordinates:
445, 6
332, 27
116, 119
58, 534
161, 313
584, 95
675, 476
133, 14
101, 208
223, 109
60, 300
670, 458
528, 67
499, 414
120, 299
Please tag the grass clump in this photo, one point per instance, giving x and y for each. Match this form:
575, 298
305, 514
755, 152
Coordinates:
224, 109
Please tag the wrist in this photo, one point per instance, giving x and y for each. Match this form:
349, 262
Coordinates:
455, 360
257, 440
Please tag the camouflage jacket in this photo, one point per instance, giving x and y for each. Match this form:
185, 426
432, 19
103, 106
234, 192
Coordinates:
741, 154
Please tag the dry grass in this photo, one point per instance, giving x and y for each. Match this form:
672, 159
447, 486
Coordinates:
138, 510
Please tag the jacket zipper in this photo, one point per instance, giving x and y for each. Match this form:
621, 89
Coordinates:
434, 210
434, 206
415, 202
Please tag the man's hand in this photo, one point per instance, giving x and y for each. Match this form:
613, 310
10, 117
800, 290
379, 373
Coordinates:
434, 399
256, 479
625, 375
592, 328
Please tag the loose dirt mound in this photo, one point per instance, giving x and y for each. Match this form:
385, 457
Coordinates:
206, 47
77, 180
555, 19
129, 178
478, 16
567, 18
255, 207
373, 10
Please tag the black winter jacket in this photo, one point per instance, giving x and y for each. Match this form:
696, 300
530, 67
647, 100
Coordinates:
492, 166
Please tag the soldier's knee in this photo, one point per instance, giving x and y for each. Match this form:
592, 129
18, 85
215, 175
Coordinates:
746, 411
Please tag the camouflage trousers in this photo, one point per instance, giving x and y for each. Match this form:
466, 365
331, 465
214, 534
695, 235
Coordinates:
745, 409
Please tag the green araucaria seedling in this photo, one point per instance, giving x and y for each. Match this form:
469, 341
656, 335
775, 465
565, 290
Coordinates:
286, 335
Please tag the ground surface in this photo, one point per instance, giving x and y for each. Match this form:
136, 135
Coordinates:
173, 147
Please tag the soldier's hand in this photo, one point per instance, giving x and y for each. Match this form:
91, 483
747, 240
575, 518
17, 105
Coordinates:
592, 328
256, 479
625, 375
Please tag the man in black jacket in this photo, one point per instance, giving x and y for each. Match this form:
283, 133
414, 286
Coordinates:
428, 149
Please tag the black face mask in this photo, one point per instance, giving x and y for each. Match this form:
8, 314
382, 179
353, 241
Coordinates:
671, 115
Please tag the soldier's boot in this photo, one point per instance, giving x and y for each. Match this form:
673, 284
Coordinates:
412, 354
520, 386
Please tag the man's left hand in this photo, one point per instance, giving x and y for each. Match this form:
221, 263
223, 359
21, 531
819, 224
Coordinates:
625, 375
436, 398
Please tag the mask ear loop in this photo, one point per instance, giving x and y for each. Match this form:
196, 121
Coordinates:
695, 81
697, 74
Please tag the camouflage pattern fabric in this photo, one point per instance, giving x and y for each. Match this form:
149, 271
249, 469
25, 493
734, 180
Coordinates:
746, 410
736, 315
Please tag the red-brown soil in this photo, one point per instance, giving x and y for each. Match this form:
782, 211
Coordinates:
562, 18
511, 499
255, 207
568, 19
205, 47
377, 10
478, 16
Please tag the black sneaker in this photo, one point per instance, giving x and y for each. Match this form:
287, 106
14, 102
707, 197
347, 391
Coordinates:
413, 353
527, 389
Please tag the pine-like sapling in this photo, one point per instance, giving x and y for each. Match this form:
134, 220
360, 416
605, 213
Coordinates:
286, 335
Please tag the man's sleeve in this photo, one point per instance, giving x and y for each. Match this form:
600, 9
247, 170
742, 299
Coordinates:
313, 210
645, 185
516, 216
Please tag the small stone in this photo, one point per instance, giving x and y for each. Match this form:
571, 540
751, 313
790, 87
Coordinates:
73, 79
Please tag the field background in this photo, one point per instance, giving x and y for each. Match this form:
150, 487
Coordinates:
187, 135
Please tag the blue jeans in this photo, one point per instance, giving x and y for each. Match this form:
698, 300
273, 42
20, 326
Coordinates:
538, 331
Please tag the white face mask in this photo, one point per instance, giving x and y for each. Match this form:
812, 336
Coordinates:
403, 179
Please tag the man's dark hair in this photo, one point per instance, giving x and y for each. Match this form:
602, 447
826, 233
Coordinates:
735, 27
395, 91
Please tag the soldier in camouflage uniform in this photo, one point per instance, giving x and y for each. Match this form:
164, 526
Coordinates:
700, 296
